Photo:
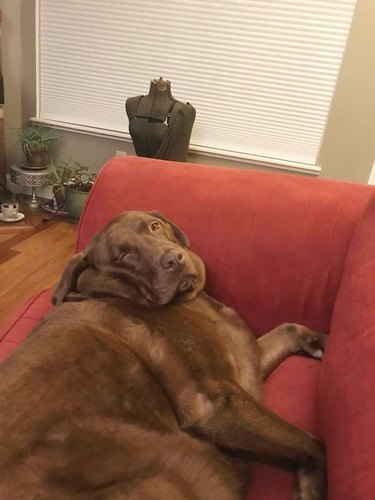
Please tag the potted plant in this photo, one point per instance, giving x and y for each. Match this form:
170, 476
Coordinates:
72, 183
60, 176
37, 142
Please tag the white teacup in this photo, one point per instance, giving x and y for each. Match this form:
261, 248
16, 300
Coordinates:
9, 210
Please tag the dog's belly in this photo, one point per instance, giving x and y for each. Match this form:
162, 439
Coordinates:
94, 415
88, 372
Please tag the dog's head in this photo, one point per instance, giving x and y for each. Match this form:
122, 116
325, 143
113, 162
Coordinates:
140, 256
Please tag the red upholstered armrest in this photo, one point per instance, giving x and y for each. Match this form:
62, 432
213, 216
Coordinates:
347, 382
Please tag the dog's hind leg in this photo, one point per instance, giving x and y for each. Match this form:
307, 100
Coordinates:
239, 423
288, 339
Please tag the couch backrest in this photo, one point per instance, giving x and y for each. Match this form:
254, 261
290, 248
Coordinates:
274, 244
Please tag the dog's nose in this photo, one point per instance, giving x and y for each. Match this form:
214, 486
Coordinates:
172, 259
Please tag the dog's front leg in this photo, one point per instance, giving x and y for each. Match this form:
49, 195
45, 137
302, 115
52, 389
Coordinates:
237, 422
288, 339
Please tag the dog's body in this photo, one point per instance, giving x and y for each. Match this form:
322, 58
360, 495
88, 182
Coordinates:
146, 388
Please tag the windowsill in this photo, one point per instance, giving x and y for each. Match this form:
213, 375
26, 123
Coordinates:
261, 161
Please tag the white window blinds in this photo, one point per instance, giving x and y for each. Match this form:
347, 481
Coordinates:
260, 73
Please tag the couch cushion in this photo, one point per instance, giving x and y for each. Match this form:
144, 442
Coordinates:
20, 326
347, 382
274, 244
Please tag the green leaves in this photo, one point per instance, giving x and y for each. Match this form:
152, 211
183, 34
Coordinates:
72, 173
36, 137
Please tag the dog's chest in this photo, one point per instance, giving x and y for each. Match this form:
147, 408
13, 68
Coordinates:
214, 342
239, 345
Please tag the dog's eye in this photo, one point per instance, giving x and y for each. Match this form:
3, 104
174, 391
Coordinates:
154, 226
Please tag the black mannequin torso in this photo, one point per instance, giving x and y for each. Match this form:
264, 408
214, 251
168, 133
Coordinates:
160, 126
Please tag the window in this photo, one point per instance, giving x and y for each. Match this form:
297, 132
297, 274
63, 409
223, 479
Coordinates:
260, 73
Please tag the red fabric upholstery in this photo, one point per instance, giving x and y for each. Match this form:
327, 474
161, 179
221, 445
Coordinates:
275, 249
347, 382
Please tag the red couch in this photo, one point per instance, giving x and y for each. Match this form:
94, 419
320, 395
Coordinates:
277, 248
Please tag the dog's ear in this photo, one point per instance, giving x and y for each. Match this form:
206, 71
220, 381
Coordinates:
182, 238
92, 283
68, 280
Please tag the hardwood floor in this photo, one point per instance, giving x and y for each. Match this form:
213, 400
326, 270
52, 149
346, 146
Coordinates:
32, 260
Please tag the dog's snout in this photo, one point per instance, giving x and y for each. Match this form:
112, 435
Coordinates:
172, 259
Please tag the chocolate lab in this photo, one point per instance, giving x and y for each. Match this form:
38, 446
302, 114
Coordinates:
140, 386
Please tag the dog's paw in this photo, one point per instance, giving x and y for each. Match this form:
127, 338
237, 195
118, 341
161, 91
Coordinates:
311, 486
313, 343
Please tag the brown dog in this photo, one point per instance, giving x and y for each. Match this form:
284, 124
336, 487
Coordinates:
146, 388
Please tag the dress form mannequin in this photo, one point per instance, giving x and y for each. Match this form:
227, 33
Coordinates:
160, 126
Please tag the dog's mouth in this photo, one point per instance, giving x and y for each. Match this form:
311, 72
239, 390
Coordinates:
162, 296
187, 283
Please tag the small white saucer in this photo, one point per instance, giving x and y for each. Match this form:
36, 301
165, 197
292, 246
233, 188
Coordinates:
19, 217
